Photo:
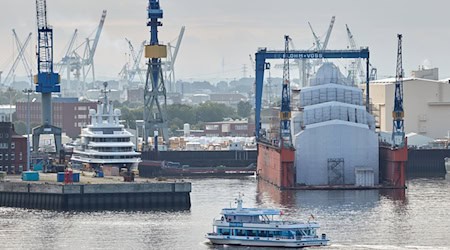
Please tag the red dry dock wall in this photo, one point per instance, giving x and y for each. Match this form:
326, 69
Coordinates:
276, 165
393, 164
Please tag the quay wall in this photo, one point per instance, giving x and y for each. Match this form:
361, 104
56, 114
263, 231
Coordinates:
426, 161
95, 197
232, 158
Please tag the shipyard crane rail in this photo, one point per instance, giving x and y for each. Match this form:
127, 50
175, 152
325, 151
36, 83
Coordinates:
263, 54
398, 130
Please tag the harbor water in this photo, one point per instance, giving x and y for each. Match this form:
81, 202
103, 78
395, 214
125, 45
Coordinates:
418, 218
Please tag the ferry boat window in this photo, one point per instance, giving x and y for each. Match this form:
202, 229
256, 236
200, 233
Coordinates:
261, 233
224, 231
252, 233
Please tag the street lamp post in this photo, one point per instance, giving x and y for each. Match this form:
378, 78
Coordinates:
28, 93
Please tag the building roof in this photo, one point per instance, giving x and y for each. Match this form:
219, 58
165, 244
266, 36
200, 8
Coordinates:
228, 122
418, 140
392, 80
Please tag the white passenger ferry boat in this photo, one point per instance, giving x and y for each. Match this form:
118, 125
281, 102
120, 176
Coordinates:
257, 227
105, 142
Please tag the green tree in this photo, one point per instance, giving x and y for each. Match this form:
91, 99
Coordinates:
185, 113
213, 112
244, 109
20, 127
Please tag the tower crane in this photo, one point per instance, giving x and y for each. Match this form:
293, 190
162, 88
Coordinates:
20, 57
155, 97
46, 80
285, 112
398, 130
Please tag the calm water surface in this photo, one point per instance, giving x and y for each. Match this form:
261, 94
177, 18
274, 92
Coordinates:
418, 218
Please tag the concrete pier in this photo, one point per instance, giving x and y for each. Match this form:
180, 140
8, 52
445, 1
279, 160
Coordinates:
95, 197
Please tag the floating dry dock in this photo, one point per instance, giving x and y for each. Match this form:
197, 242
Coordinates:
96, 197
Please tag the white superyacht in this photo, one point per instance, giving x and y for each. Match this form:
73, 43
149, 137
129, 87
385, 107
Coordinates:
105, 142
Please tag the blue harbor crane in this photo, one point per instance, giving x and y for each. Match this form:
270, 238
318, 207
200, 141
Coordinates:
155, 98
263, 54
47, 81
285, 113
398, 130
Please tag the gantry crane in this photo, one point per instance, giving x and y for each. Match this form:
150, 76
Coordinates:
47, 81
155, 98
263, 54
285, 112
398, 128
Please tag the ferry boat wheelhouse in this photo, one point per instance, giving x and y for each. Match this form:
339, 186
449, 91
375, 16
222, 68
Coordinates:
259, 227
105, 141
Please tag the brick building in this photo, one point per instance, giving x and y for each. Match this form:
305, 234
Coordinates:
230, 128
13, 149
135, 95
68, 114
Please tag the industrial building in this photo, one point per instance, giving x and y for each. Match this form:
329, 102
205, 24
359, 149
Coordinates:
335, 137
68, 113
242, 128
13, 149
426, 105
6, 112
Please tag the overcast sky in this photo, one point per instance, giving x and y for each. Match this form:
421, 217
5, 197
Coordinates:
227, 31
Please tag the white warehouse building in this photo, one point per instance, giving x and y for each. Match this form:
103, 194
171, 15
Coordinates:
335, 136
426, 104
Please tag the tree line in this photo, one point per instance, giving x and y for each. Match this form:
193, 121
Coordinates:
195, 115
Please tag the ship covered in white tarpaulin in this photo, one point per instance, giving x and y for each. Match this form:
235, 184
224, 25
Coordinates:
335, 138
